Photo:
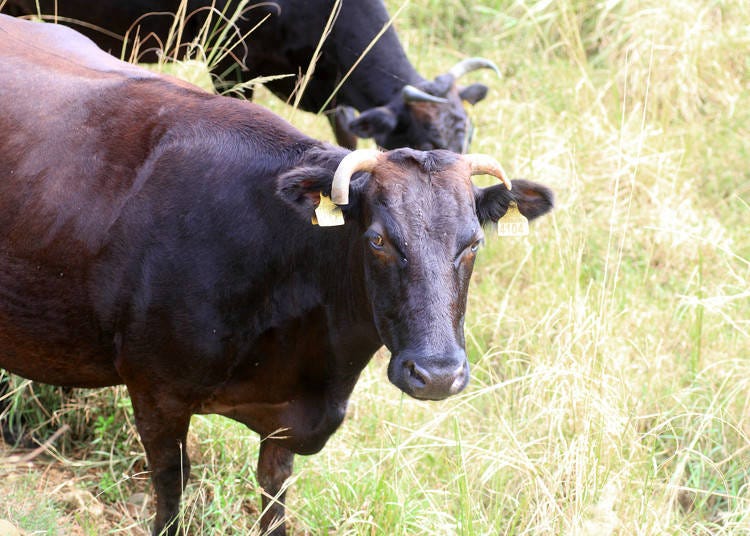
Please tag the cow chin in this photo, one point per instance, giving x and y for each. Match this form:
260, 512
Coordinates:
429, 378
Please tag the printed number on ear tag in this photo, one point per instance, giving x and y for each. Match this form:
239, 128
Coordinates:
513, 223
328, 213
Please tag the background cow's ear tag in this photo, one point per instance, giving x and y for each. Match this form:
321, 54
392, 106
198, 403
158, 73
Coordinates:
328, 214
513, 223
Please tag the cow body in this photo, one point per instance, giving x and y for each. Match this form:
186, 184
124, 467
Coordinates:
89, 225
283, 36
157, 236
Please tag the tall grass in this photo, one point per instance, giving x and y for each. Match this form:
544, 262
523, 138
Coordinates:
610, 350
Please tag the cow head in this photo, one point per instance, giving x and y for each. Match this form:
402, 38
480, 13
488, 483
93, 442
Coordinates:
419, 219
429, 115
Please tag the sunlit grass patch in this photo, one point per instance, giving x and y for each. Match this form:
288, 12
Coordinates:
610, 349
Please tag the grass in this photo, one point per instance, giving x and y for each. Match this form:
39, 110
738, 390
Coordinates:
610, 350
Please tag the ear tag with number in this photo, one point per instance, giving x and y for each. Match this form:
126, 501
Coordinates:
513, 223
328, 213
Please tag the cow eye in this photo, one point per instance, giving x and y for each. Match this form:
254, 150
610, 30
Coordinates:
376, 241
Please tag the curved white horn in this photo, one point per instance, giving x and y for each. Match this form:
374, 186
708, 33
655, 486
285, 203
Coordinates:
482, 164
359, 160
414, 94
472, 64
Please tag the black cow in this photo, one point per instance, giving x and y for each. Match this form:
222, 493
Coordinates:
158, 236
399, 107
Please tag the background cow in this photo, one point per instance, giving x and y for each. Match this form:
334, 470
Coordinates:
398, 107
157, 236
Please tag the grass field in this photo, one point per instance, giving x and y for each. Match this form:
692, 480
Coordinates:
610, 349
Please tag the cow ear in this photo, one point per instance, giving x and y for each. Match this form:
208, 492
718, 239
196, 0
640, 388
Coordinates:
340, 119
533, 200
301, 187
473, 93
373, 122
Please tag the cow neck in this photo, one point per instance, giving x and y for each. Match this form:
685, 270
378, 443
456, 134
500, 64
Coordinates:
341, 278
384, 71
367, 89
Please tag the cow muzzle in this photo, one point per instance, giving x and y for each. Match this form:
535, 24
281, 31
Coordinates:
429, 378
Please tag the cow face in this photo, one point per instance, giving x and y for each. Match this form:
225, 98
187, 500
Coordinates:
419, 220
421, 236
430, 116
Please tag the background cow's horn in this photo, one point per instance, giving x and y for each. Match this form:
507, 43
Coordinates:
359, 160
481, 164
413, 94
472, 64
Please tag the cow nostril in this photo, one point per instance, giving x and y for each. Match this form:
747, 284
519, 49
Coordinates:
460, 380
418, 379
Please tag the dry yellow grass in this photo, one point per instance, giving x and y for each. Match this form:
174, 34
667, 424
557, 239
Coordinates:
610, 350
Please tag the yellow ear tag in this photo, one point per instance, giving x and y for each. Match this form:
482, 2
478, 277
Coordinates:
328, 213
513, 223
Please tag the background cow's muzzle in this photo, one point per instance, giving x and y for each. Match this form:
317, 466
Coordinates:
429, 378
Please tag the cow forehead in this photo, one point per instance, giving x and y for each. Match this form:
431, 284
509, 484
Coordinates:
428, 112
408, 169
439, 180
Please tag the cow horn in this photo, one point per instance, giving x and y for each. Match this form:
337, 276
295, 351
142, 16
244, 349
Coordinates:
481, 164
413, 94
359, 160
472, 64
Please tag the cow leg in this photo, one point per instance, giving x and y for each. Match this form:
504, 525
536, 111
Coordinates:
162, 423
274, 467
14, 428
7, 431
